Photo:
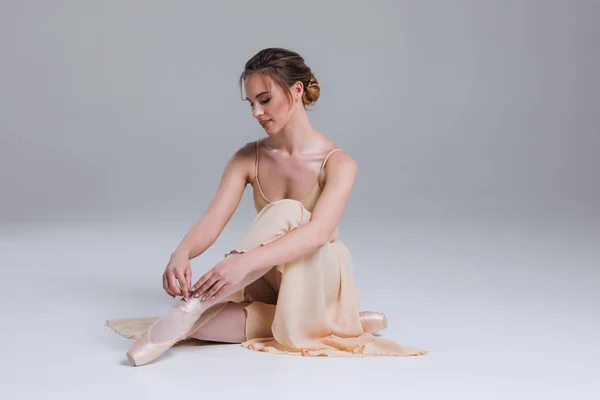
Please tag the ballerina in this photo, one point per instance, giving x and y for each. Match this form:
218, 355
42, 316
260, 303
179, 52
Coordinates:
287, 286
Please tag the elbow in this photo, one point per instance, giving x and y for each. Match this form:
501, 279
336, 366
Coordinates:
320, 243
321, 237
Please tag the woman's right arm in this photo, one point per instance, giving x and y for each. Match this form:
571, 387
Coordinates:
205, 232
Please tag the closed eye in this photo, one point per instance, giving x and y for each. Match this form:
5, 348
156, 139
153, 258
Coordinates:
265, 101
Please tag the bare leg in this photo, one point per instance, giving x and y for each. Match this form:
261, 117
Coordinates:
228, 326
272, 222
183, 315
180, 321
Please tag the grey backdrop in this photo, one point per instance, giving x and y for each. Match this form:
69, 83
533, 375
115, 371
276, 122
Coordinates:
128, 110
474, 223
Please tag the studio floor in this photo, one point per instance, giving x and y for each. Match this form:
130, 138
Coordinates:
507, 311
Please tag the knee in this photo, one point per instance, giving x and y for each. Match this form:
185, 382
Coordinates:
274, 220
287, 208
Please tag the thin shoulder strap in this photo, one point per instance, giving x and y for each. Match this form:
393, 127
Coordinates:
256, 162
327, 157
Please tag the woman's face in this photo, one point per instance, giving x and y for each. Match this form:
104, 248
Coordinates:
270, 104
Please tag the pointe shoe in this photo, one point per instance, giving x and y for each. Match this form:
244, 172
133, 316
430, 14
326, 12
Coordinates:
373, 322
145, 350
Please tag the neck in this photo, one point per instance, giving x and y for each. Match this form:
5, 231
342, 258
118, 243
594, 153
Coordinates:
298, 136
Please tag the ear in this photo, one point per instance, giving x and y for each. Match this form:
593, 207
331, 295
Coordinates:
297, 90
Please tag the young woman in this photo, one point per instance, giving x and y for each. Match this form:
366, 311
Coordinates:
287, 286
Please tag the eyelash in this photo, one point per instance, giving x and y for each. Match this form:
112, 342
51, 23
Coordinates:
261, 102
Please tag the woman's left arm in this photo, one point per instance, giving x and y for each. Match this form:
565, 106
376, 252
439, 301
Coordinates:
340, 174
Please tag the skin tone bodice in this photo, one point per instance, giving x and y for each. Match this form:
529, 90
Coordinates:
307, 182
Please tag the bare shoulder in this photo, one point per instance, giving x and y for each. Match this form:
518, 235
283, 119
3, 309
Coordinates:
341, 160
242, 161
340, 175
246, 151
340, 166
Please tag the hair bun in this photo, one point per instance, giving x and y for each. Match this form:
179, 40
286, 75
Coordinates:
286, 68
312, 92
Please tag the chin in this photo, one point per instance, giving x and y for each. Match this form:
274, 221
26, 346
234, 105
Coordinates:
272, 132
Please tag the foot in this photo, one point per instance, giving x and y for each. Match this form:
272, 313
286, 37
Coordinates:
373, 322
155, 341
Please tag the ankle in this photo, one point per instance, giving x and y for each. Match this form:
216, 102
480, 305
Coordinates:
193, 305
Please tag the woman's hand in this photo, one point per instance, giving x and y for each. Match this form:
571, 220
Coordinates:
227, 273
178, 270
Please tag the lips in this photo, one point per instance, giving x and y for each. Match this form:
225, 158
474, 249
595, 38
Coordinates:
263, 123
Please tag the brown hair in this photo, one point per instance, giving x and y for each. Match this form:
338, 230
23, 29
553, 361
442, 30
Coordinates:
285, 67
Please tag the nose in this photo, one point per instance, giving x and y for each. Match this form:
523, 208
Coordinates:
257, 111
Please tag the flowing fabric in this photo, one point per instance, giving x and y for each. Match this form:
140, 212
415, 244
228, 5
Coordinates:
316, 308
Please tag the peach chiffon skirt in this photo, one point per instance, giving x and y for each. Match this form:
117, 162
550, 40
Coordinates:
315, 311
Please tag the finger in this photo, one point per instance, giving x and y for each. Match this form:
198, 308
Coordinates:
202, 280
202, 290
165, 283
188, 278
214, 289
221, 291
173, 284
206, 286
182, 283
